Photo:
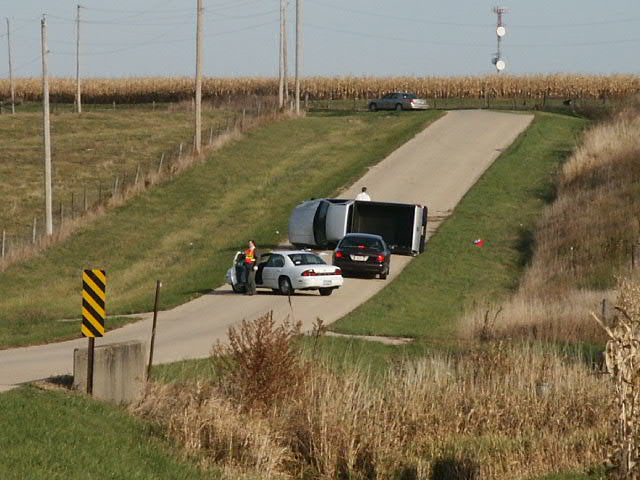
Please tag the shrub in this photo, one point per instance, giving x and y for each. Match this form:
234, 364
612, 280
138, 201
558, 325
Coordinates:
260, 363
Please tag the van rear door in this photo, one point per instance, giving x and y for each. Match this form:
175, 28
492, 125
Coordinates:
419, 230
320, 224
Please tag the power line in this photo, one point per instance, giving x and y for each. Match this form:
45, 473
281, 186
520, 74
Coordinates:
471, 45
253, 15
145, 12
577, 25
22, 65
396, 39
395, 17
577, 44
470, 25
187, 21
155, 40
111, 22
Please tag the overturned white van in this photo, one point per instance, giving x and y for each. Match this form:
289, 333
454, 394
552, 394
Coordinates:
322, 222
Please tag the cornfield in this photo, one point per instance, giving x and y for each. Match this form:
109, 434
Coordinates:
147, 89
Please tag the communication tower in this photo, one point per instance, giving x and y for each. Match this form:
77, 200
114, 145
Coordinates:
501, 31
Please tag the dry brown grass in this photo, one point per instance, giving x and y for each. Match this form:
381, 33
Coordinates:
545, 319
128, 90
505, 412
596, 217
583, 241
623, 362
588, 232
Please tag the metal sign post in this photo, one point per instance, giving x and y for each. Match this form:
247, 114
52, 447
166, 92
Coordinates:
153, 328
90, 353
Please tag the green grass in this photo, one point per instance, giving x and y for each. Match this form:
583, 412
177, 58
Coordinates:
88, 152
185, 231
61, 435
337, 353
454, 274
185, 371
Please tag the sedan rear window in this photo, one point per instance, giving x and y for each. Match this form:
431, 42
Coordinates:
361, 242
306, 259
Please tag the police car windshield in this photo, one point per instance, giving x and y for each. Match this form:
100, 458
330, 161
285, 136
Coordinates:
306, 259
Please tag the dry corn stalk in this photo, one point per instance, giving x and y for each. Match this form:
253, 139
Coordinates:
172, 89
623, 364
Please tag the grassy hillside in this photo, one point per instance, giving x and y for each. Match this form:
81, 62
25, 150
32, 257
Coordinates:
454, 274
587, 239
88, 152
184, 232
59, 436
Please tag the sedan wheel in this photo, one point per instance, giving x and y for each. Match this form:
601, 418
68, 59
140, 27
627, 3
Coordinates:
285, 286
373, 107
383, 275
325, 292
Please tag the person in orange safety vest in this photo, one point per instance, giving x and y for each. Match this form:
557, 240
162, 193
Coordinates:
250, 260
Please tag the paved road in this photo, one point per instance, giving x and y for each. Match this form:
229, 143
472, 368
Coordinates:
435, 168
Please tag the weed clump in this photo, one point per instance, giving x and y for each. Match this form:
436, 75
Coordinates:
260, 363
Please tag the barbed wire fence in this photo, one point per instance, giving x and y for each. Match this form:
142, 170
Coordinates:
92, 199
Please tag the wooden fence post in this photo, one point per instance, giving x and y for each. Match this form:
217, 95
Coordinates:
160, 162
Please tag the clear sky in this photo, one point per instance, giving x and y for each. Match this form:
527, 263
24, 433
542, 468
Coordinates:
123, 38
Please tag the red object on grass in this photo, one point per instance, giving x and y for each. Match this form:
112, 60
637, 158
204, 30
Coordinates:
479, 242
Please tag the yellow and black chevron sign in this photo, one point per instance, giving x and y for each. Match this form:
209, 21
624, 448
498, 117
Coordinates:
94, 296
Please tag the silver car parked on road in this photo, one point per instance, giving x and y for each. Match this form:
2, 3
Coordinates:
398, 101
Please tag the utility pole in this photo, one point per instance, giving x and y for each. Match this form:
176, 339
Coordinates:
12, 86
78, 94
198, 138
285, 52
281, 58
46, 130
298, 52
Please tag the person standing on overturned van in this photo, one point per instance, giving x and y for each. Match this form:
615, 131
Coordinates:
250, 263
363, 195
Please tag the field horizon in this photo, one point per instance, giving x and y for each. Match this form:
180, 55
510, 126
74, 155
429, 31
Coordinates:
534, 88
